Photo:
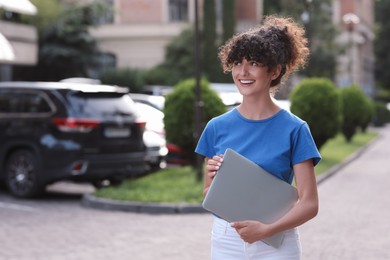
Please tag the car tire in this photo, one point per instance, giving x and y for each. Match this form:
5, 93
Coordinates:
22, 174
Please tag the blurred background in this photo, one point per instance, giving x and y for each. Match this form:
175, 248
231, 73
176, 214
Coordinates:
152, 47
151, 42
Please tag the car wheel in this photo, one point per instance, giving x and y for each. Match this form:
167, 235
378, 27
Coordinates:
21, 174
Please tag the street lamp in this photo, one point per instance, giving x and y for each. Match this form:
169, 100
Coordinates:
198, 99
351, 20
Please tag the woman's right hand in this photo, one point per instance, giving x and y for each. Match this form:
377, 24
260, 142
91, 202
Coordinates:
213, 164
212, 167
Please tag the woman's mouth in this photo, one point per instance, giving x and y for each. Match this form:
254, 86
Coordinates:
246, 81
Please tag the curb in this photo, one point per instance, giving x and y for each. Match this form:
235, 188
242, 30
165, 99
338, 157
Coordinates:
91, 201
329, 173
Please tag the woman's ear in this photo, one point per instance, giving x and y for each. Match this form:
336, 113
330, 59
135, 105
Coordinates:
276, 72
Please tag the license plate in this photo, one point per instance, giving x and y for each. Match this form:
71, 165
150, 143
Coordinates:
113, 132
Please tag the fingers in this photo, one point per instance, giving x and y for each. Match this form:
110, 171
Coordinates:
213, 165
238, 225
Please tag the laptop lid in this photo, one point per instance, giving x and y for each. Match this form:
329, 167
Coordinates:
242, 190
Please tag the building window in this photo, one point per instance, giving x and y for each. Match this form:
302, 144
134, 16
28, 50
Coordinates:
178, 10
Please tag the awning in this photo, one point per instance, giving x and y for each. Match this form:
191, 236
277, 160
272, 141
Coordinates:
18, 6
6, 50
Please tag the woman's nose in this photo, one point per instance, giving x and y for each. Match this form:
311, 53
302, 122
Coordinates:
244, 69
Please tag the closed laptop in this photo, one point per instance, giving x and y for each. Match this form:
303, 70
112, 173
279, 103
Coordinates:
242, 190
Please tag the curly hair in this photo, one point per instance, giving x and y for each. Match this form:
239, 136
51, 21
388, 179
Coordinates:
278, 41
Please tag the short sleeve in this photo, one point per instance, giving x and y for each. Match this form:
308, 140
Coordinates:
205, 144
304, 147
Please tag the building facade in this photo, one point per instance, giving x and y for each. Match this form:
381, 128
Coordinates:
139, 30
18, 42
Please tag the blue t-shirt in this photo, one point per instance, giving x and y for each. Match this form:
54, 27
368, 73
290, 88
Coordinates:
276, 143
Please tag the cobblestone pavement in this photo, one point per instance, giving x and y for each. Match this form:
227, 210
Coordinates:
61, 229
352, 222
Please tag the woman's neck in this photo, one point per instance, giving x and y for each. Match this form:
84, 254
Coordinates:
258, 109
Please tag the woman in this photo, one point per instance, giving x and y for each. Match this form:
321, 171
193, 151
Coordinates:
259, 60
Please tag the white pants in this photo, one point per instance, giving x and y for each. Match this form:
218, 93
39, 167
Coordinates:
226, 244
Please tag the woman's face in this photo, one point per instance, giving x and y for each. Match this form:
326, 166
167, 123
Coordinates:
252, 78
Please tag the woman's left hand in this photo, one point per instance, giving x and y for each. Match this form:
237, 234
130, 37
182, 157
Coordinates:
251, 231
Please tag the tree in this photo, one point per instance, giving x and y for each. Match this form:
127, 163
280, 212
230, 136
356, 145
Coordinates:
357, 111
178, 63
48, 12
228, 19
318, 102
209, 61
316, 16
179, 113
66, 49
382, 44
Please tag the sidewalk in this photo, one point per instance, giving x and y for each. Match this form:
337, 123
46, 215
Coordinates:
353, 221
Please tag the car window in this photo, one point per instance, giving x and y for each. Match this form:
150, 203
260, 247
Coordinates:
101, 104
23, 102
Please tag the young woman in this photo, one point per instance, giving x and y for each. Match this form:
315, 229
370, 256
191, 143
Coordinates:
280, 142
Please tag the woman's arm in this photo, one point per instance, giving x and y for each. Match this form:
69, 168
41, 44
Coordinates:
305, 209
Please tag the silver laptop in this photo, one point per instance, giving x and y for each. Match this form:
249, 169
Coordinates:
242, 190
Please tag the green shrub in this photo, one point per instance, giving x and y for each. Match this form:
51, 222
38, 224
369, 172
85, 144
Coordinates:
179, 110
357, 111
131, 78
160, 75
318, 102
368, 115
381, 115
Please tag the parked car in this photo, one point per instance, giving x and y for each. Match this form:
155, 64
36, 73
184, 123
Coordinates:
154, 135
51, 131
173, 154
155, 101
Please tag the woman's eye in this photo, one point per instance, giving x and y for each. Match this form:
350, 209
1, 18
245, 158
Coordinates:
254, 63
236, 63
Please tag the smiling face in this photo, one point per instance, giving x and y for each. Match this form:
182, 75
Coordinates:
252, 78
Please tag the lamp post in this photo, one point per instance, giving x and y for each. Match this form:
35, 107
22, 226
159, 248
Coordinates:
198, 99
351, 20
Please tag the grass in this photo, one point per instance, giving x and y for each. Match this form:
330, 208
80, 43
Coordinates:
179, 185
169, 185
337, 149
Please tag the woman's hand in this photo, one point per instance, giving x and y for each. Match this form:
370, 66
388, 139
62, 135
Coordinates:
212, 167
251, 231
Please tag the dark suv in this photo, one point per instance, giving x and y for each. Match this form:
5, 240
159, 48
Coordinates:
52, 131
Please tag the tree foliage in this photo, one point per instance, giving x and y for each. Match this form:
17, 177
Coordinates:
178, 63
382, 43
318, 102
357, 111
320, 30
228, 19
179, 58
66, 49
125, 77
179, 111
209, 61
